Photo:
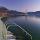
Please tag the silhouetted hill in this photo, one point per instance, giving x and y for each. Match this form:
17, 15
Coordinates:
37, 13
11, 12
3, 8
15, 13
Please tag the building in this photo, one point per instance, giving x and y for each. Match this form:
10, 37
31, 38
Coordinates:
3, 13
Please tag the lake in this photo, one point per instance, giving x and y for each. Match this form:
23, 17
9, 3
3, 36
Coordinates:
29, 23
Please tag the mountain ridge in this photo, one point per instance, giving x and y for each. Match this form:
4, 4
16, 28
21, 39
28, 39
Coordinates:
37, 13
11, 12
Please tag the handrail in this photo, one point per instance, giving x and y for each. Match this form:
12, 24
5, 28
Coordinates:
24, 30
21, 29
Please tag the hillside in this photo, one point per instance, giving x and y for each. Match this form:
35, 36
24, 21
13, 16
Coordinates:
37, 13
10, 13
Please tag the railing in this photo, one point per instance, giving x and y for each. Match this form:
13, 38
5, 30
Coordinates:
17, 27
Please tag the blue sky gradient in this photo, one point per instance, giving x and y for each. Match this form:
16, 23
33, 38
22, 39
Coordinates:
21, 5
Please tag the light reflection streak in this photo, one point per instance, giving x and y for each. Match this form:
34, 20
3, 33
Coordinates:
34, 19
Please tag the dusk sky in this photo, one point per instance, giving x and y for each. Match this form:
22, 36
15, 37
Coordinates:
21, 5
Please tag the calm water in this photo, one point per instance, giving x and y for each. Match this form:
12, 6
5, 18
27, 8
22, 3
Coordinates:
30, 23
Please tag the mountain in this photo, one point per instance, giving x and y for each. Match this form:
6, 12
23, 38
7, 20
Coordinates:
10, 13
3, 8
15, 13
37, 13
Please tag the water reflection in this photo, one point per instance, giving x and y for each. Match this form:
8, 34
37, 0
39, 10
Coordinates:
33, 19
28, 22
35, 26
